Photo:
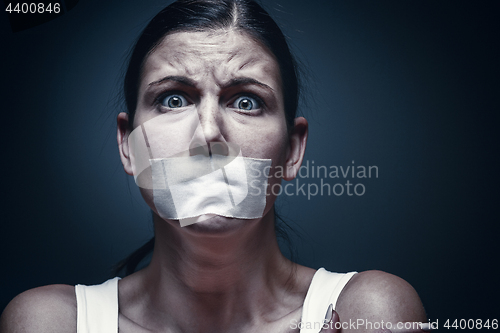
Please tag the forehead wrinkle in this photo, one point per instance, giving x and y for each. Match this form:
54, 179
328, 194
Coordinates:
219, 60
235, 53
250, 61
238, 60
178, 60
231, 56
253, 70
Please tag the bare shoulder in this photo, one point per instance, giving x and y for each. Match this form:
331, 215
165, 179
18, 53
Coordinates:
375, 296
45, 309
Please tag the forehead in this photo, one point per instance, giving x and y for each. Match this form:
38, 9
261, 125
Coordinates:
217, 56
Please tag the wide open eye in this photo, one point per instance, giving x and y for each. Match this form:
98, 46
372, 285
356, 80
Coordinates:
173, 101
246, 103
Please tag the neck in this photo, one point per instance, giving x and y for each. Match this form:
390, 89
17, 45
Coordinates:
214, 259
219, 272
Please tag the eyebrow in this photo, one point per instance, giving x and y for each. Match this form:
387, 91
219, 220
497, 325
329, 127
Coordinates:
232, 83
181, 79
245, 80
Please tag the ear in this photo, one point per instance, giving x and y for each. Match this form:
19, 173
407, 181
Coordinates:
297, 148
123, 131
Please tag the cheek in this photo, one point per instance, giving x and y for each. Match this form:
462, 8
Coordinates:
147, 195
262, 141
270, 144
170, 133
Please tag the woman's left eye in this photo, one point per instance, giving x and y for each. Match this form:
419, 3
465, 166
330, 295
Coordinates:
246, 103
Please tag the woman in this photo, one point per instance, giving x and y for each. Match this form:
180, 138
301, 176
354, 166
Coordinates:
211, 91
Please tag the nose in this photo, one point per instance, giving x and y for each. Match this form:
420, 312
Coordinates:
212, 127
211, 121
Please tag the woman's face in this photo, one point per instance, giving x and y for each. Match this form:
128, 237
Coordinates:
218, 86
232, 82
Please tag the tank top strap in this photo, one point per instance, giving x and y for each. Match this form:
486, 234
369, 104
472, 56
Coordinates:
97, 307
324, 290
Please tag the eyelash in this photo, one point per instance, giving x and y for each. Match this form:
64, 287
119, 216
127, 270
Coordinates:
159, 100
260, 103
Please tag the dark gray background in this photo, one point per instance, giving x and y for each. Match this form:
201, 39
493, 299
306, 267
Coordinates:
411, 87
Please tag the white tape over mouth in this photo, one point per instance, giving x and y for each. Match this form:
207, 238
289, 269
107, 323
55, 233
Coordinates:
235, 190
193, 180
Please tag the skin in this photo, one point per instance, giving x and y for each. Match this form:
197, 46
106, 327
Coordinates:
221, 274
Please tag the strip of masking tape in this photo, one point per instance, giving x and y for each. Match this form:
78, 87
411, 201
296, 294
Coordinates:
162, 136
237, 190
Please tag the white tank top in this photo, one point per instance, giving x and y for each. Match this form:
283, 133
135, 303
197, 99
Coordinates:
97, 306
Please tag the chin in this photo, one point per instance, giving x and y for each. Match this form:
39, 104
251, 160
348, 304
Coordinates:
217, 225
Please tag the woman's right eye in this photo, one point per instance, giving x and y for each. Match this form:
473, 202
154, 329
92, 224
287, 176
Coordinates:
173, 101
